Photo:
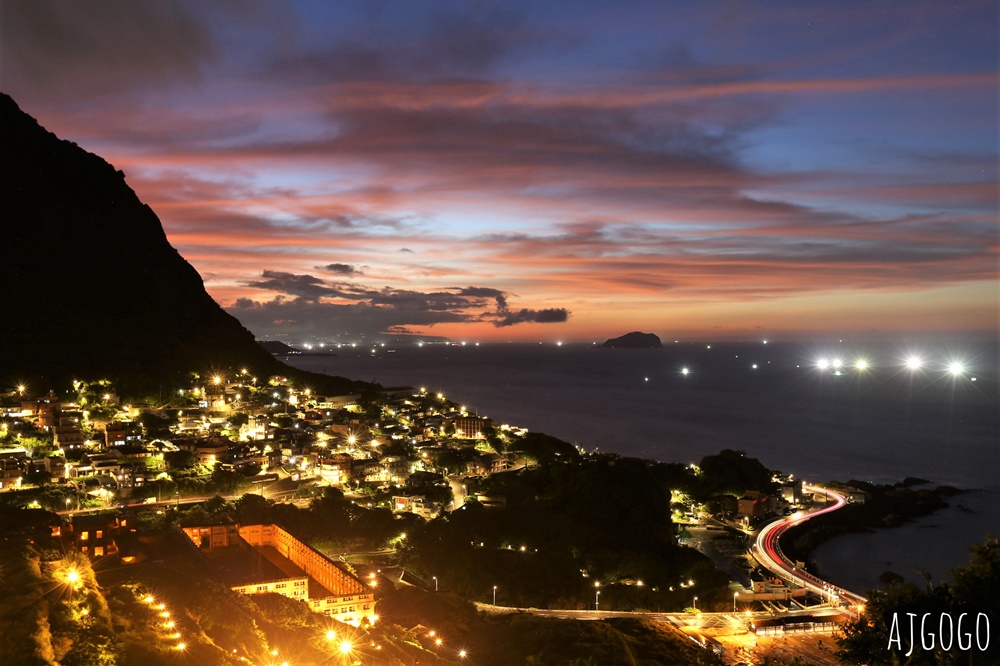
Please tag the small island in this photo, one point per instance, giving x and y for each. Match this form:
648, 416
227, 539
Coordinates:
634, 340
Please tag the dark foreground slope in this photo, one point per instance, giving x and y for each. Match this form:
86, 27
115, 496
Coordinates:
92, 285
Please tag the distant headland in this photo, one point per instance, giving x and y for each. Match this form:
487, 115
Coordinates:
634, 340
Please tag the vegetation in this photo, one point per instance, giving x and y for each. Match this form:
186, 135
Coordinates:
519, 638
565, 527
732, 472
52, 613
974, 589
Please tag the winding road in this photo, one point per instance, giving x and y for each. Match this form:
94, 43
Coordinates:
767, 551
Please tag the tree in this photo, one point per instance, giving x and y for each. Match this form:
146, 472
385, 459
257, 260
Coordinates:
734, 472
153, 423
180, 459
881, 635
252, 509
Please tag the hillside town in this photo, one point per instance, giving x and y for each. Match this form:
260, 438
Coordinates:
267, 433
270, 488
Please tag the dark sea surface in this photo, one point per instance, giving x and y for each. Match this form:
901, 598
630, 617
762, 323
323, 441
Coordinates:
880, 424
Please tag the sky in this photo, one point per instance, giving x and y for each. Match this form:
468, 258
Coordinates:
547, 170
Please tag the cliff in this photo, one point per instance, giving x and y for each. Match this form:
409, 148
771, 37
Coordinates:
92, 286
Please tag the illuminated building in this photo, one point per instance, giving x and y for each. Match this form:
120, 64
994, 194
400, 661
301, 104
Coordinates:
262, 559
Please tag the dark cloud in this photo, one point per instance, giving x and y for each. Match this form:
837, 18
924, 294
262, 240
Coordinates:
305, 287
71, 52
342, 269
403, 300
525, 316
448, 45
320, 318
100, 44
485, 292
307, 303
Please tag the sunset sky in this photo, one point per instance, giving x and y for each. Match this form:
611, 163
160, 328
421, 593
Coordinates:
546, 171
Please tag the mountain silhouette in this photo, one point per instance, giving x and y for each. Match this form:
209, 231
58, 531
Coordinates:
93, 287
634, 340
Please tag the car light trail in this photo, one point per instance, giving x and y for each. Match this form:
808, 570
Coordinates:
770, 556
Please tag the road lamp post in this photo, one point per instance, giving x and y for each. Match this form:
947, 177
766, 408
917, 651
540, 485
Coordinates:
436, 584
735, 594
494, 596
696, 603
597, 601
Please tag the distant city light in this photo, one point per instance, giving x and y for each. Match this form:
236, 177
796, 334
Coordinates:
861, 364
822, 364
956, 368
837, 363
685, 371
914, 363
754, 366
346, 647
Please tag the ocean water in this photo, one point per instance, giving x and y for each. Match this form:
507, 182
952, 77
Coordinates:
880, 424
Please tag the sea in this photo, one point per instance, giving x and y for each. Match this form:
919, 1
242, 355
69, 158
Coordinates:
825, 410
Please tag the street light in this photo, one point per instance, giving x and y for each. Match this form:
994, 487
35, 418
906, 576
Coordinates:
435, 583
696, 603
735, 594
494, 596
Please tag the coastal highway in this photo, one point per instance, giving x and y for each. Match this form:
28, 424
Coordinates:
767, 551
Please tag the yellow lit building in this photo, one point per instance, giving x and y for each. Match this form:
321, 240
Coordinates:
281, 564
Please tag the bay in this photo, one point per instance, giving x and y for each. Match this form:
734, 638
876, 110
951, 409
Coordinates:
880, 424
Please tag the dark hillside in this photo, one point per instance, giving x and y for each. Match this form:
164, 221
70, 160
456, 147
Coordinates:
92, 286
